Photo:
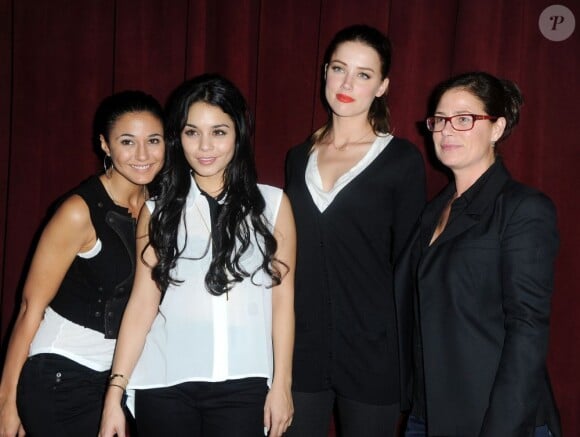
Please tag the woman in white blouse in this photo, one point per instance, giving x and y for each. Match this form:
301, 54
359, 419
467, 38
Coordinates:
207, 337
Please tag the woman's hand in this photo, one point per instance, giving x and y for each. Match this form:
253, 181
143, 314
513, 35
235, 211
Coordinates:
113, 418
10, 425
278, 412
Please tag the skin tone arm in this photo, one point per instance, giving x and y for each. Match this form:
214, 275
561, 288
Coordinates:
278, 410
69, 232
137, 320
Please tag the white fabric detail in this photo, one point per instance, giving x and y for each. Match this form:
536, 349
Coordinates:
322, 199
94, 251
57, 335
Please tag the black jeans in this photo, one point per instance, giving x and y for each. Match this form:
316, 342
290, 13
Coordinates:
233, 408
59, 397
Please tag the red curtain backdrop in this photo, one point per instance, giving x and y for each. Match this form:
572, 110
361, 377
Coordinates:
58, 59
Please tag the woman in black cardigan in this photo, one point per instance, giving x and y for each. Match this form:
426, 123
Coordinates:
476, 281
356, 192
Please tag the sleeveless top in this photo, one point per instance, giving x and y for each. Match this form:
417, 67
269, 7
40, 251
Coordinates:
95, 291
200, 337
82, 321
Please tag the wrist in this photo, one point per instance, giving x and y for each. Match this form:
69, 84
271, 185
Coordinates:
114, 395
7, 396
282, 382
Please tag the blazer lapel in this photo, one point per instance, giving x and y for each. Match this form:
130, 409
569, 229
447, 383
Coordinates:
432, 212
482, 200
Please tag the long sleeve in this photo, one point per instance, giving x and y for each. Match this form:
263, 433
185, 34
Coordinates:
410, 200
528, 250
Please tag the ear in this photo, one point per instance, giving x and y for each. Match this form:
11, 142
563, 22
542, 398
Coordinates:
104, 145
497, 129
383, 88
325, 70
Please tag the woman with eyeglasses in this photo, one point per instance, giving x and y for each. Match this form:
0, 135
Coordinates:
474, 285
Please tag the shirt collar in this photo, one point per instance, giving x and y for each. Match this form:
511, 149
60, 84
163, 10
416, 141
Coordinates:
467, 197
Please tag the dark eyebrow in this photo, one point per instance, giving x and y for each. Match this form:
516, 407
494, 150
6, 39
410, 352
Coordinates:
125, 135
358, 68
213, 127
156, 134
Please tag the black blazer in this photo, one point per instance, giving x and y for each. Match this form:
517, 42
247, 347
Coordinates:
483, 290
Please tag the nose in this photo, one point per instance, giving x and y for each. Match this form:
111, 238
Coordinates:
142, 152
347, 82
447, 127
205, 143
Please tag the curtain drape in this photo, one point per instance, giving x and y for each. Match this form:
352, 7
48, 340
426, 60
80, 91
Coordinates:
58, 59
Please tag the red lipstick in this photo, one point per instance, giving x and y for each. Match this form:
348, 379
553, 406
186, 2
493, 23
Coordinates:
344, 98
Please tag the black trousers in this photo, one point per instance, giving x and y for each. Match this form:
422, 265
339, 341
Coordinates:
233, 408
313, 413
59, 397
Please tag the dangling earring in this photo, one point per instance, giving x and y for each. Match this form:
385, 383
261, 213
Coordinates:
105, 166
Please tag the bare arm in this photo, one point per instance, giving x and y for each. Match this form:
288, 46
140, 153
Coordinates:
69, 232
279, 409
137, 320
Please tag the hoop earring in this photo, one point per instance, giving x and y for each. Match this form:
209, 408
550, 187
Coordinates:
105, 166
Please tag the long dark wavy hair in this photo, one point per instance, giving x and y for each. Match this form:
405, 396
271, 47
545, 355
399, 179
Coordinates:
242, 198
378, 115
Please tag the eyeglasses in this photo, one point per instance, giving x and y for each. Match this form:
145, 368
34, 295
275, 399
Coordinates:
459, 122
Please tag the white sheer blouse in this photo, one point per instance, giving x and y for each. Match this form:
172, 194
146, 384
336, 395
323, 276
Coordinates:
200, 337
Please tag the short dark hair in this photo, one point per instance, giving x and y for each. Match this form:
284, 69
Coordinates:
118, 104
500, 97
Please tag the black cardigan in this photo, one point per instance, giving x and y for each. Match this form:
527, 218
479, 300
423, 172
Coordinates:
345, 320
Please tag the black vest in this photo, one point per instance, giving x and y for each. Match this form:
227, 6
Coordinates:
95, 291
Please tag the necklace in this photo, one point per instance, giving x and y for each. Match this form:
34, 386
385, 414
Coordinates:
347, 143
134, 211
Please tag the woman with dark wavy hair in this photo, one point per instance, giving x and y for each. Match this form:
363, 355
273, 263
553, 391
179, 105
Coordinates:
207, 338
